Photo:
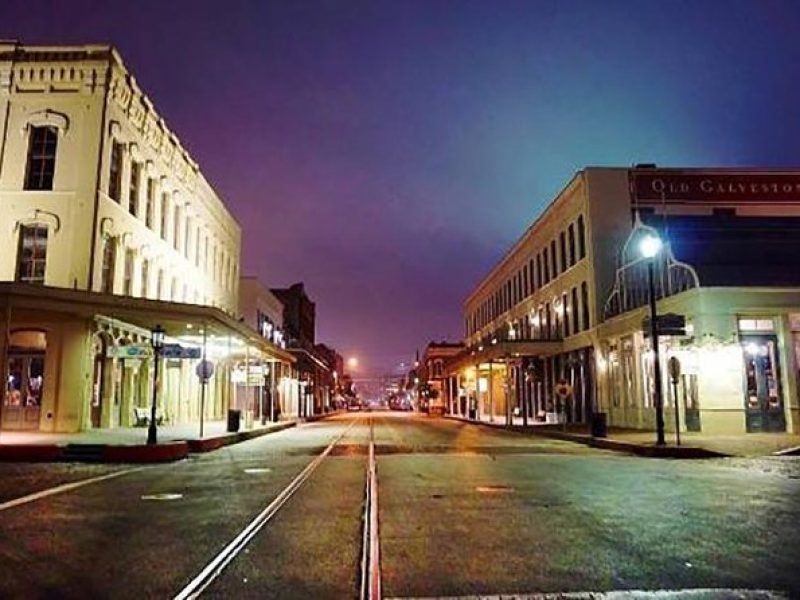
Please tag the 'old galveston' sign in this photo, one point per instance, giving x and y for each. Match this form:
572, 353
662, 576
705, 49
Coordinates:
652, 186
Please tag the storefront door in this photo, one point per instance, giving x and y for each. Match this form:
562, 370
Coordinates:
763, 398
23, 397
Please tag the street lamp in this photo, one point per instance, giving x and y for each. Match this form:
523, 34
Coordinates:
650, 246
157, 341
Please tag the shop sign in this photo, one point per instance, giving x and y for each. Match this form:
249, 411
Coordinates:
176, 351
653, 186
129, 351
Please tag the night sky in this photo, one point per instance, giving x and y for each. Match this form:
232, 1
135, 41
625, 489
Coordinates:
388, 153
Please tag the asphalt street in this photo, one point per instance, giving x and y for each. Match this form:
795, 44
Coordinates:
463, 510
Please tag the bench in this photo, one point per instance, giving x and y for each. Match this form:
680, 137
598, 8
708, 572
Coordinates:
141, 416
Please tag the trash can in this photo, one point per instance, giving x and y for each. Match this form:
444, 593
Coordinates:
599, 425
234, 419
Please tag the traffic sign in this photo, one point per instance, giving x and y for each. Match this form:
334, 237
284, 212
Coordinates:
204, 370
667, 324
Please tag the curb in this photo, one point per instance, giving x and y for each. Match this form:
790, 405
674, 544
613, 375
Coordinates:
679, 452
141, 453
788, 452
215, 443
31, 453
145, 454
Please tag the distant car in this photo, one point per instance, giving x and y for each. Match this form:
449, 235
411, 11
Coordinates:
353, 404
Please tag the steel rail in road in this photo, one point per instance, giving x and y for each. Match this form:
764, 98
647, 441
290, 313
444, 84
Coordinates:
217, 565
371, 549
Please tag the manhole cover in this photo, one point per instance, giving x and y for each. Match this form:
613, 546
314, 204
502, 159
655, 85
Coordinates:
257, 470
494, 489
162, 497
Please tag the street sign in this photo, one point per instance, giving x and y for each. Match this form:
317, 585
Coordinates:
176, 351
129, 351
667, 324
674, 366
563, 389
204, 370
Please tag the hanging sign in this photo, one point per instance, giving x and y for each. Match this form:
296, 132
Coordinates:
129, 351
176, 351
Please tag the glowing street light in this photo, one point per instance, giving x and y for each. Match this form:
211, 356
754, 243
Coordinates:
650, 246
352, 362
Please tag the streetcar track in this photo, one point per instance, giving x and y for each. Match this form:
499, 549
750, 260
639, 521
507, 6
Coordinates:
370, 558
218, 564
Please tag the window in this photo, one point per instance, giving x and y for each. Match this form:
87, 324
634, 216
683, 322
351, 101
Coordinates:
109, 262
553, 259
197, 247
41, 158
127, 281
160, 284
585, 305
115, 173
176, 226
549, 324
526, 282
173, 289
151, 202
571, 235
133, 188
539, 280
145, 277
530, 272
546, 266
164, 212
563, 247
565, 309
576, 326
186, 231
32, 253
581, 239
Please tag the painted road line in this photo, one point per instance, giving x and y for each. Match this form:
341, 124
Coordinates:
60, 489
213, 569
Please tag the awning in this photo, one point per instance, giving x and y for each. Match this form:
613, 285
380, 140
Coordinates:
177, 319
501, 351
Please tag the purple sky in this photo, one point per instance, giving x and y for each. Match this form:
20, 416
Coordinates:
388, 153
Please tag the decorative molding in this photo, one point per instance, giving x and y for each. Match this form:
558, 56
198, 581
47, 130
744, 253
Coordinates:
47, 118
37, 218
103, 233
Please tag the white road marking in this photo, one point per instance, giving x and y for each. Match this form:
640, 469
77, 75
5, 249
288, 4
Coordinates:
66, 487
213, 569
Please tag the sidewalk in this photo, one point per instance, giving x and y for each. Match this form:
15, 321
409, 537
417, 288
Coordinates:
127, 444
693, 445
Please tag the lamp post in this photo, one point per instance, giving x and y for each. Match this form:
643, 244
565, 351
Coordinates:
157, 341
650, 246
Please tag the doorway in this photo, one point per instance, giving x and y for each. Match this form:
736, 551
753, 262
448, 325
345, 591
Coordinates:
764, 410
23, 396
